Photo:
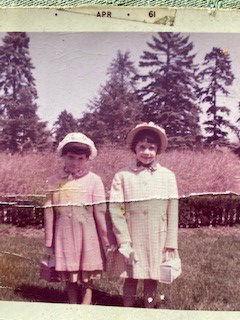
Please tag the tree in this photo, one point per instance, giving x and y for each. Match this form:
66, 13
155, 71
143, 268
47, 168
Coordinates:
64, 125
169, 88
236, 146
238, 122
216, 76
21, 128
117, 108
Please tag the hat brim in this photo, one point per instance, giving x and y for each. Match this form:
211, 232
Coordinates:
161, 134
92, 149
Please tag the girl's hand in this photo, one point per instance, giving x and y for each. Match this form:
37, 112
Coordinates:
49, 251
129, 254
133, 258
171, 253
110, 249
125, 249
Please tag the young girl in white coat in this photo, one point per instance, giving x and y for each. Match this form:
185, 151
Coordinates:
144, 212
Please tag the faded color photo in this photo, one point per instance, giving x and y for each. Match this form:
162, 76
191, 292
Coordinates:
130, 145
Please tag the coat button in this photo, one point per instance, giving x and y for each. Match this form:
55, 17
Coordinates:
69, 215
145, 212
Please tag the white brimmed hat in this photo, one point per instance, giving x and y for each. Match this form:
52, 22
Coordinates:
150, 126
81, 139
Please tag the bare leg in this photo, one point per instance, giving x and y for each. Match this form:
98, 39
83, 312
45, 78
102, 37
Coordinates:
150, 288
87, 295
87, 292
72, 292
129, 292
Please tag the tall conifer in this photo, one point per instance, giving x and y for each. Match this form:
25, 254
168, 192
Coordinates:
21, 128
117, 107
169, 88
216, 76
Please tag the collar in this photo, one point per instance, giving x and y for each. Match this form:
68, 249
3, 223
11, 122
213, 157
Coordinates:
70, 176
136, 167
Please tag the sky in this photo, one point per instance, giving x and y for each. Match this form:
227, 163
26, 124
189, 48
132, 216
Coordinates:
71, 67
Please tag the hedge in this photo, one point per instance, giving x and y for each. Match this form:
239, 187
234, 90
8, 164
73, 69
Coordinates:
22, 212
209, 210
194, 211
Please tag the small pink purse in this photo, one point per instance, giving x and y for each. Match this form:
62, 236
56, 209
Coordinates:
47, 270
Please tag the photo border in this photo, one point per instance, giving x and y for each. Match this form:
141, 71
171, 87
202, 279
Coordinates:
87, 19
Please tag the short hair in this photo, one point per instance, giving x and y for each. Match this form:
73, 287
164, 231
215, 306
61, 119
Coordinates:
76, 148
149, 136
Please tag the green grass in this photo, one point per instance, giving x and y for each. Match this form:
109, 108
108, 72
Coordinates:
210, 278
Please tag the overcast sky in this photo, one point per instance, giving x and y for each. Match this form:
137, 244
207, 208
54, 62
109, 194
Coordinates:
70, 67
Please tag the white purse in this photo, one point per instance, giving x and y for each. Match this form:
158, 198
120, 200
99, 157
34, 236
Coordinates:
170, 269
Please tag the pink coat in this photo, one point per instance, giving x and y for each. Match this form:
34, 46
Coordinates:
144, 211
75, 221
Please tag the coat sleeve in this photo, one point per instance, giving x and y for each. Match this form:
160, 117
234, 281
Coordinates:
99, 207
236, 185
172, 213
48, 217
117, 211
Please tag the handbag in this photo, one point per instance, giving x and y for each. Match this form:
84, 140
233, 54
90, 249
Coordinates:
47, 270
170, 269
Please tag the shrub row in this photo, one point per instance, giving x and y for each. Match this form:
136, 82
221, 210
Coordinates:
196, 171
194, 211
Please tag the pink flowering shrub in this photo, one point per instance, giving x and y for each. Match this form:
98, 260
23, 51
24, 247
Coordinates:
196, 172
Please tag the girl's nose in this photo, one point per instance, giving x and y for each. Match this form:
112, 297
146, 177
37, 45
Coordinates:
75, 162
146, 151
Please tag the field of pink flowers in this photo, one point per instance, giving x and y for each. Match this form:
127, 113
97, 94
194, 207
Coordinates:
196, 172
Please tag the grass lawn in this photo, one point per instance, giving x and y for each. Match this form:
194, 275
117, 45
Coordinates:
210, 278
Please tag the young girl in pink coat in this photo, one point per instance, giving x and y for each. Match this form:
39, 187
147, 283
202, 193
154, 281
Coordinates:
144, 212
75, 217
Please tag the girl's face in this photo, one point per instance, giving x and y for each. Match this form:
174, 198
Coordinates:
146, 152
74, 162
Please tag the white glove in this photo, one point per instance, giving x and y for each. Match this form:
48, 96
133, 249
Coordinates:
129, 254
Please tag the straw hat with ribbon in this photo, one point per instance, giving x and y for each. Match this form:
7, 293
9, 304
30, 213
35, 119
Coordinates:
149, 126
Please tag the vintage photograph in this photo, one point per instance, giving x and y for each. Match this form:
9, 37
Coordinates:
120, 175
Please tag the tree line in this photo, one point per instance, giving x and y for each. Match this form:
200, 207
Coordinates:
166, 87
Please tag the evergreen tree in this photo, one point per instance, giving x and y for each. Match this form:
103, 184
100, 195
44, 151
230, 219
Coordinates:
238, 122
21, 128
169, 88
216, 76
64, 125
117, 108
